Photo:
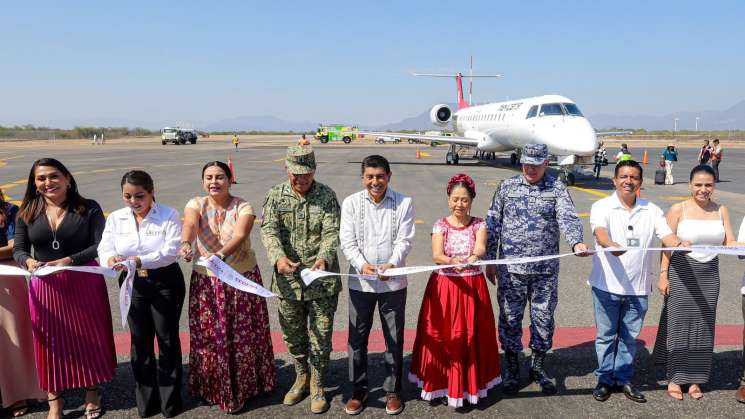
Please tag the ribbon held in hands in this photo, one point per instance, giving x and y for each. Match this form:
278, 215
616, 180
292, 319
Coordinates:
228, 275
309, 276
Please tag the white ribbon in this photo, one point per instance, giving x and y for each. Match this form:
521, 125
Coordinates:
125, 291
48, 270
228, 275
309, 276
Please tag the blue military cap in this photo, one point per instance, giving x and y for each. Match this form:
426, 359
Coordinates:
534, 154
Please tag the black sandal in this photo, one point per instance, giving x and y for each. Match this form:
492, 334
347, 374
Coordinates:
96, 412
20, 408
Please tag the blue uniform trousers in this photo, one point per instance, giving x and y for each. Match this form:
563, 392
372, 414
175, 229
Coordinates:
514, 292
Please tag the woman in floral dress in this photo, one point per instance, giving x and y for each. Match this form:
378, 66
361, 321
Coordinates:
231, 357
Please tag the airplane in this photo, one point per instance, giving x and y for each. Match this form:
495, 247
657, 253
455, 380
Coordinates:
495, 127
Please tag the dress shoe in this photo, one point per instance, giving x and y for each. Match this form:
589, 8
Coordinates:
602, 392
741, 394
356, 404
633, 394
393, 404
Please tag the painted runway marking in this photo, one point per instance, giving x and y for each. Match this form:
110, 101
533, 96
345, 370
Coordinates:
418, 221
564, 337
583, 214
591, 191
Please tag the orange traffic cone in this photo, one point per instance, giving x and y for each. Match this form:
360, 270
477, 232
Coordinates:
232, 171
418, 153
645, 159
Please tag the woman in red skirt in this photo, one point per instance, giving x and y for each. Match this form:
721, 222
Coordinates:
455, 351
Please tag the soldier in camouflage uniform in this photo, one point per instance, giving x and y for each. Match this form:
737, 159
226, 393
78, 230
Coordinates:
300, 229
526, 215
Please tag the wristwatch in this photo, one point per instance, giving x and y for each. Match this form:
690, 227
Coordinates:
221, 256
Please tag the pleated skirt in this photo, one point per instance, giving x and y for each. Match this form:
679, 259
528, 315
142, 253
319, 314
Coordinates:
455, 352
685, 338
17, 365
72, 330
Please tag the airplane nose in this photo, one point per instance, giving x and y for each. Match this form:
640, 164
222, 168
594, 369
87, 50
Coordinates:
582, 137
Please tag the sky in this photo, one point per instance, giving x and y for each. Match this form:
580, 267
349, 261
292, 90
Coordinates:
151, 62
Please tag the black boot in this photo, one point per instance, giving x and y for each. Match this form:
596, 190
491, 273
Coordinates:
511, 382
538, 374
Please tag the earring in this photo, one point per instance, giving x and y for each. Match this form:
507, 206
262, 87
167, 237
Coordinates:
37, 192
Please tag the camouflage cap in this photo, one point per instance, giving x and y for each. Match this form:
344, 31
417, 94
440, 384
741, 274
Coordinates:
300, 159
534, 154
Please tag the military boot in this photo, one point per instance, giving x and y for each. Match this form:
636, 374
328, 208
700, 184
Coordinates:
511, 383
318, 402
300, 389
539, 375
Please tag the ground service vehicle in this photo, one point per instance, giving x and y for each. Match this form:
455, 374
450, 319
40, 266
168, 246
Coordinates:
178, 135
336, 132
384, 139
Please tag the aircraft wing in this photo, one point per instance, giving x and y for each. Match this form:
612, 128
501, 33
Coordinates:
430, 138
613, 133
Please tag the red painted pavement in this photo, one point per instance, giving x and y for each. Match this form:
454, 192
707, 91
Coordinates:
565, 337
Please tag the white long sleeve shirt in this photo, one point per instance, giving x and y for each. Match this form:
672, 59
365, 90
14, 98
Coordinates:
376, 234
156, 241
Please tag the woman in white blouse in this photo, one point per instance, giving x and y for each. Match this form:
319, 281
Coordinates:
149, 234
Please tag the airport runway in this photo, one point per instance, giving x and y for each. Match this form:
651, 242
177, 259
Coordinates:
176, 170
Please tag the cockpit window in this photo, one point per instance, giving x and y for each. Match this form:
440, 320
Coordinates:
551, 109
532, 112
572, 109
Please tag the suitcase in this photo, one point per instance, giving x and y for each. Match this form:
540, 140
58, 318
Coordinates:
659, 177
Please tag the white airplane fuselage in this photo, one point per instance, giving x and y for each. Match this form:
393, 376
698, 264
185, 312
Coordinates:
552, 120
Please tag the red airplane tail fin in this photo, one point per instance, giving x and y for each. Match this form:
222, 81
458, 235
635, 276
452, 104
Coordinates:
462, 104
459, 83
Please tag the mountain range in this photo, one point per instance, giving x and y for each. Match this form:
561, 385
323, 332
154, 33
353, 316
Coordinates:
731, 118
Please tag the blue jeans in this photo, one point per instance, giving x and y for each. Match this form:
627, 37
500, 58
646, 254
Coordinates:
618, 319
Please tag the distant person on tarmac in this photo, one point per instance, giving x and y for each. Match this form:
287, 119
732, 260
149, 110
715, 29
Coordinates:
669, 156
303, 141
601, 159
95, 139
705, 154
624, 154
236, 141
716, 157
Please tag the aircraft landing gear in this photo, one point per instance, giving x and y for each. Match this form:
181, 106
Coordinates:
567, 177
513, 159
452, 156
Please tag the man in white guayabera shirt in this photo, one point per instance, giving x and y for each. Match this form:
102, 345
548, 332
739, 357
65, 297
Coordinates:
377, 228
621, 281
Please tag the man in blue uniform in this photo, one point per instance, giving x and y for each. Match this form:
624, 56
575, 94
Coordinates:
526, 215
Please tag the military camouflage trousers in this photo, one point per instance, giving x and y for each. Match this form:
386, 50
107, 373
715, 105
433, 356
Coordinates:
307, 327
514, 292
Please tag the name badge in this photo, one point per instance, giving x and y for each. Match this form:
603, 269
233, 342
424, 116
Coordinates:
633, 243
142, 273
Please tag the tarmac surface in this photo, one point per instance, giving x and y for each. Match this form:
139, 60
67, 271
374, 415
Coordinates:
259, 165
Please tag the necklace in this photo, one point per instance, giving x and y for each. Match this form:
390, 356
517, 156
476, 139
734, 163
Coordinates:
54, 227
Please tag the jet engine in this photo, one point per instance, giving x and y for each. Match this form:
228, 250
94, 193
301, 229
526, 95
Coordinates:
440, 114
